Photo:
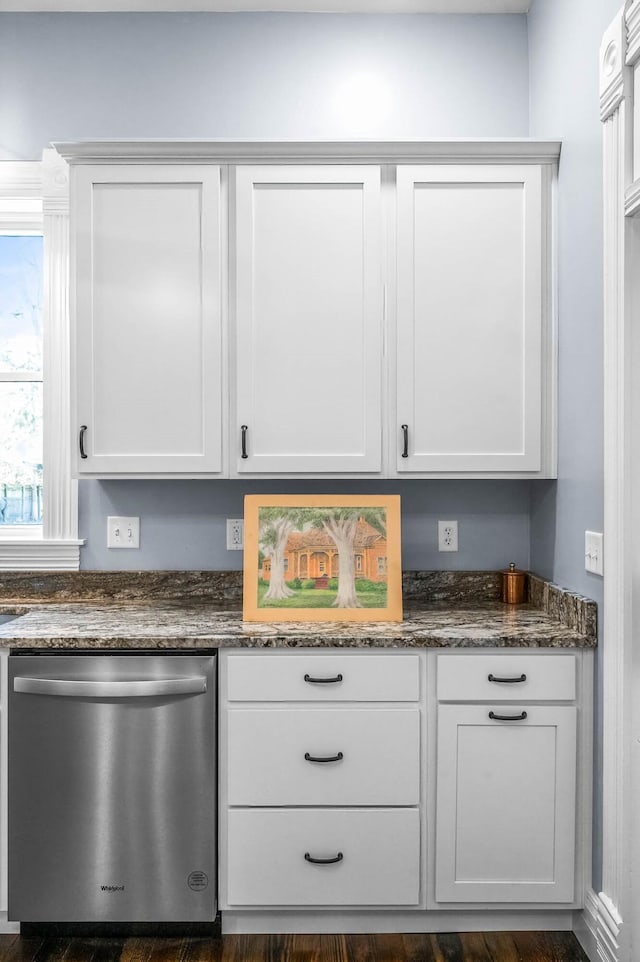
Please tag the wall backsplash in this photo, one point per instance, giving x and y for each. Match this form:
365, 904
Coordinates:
183, 523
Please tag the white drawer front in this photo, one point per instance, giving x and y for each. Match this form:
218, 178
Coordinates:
361, 677
380, 763
379, 866
466, 677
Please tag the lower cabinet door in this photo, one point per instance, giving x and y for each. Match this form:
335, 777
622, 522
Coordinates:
320, 857
505, 812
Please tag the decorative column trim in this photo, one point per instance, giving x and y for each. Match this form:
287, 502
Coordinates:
632, 199
34, 196
632, 16
60, 490
612, 59
614, 899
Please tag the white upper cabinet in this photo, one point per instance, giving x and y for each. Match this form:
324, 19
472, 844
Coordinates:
313, 310
470, 302
148, 361
308, 320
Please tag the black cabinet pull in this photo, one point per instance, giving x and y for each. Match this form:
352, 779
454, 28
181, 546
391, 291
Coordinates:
244, 429
327, 758
507, 681
323, 861
405, 443
83, 453
520, 717
322, 681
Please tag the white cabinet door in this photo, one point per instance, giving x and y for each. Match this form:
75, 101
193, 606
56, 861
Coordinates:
308, 314
505, 812
147, 319
469, 361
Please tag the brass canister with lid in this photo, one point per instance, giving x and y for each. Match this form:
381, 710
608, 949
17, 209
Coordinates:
513, 585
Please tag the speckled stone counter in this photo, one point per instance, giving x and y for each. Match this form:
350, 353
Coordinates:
189, 626
200, 609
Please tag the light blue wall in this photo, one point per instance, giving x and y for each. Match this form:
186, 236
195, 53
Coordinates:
84, 76
564, 39
183, 522
269, 76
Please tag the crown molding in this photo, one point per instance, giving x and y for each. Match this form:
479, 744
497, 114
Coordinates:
523, 151
268, 6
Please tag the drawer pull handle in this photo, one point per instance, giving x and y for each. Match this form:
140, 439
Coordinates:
322, 681
323, 861
520, 717
507, 681
328, 758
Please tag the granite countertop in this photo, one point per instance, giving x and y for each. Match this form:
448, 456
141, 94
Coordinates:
201, 609
200, 625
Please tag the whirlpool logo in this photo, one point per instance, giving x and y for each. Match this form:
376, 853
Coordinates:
112, 888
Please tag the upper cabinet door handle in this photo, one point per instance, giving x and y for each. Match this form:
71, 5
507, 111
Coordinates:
244, 428
507, 681
405, 441
83, 453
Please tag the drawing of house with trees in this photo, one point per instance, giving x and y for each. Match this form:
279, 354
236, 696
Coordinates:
316, 557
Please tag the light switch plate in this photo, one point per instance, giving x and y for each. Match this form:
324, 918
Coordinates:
593, 552
123, 532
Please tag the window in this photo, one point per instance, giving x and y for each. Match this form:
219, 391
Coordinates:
285, 564
21, 453
38, 498
382, 565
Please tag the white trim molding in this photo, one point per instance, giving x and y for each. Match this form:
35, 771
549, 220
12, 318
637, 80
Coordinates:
585, 925
597, 929
612, 61
523, 151
614, 937
35, 196
632, 16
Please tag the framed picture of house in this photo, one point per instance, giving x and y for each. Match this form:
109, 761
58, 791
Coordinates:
322, 558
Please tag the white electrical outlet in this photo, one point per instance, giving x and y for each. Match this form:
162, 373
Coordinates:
593, 552
447, 535
235, 534
123, 532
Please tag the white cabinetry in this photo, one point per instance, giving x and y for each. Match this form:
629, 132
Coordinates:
320, 791
387, 317
147, 361
470, 318
505, 779
308, 315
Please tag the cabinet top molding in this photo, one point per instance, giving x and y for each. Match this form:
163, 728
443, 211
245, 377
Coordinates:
523, 150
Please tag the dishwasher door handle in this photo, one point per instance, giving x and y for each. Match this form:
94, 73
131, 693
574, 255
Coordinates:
67, 687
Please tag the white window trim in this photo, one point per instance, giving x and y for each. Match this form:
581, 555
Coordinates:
35, 196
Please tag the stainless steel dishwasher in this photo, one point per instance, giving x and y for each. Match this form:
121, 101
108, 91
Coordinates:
112, 798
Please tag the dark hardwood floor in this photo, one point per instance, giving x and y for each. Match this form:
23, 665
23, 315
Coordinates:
451, 947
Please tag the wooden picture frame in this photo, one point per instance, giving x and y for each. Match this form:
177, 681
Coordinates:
322, 558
